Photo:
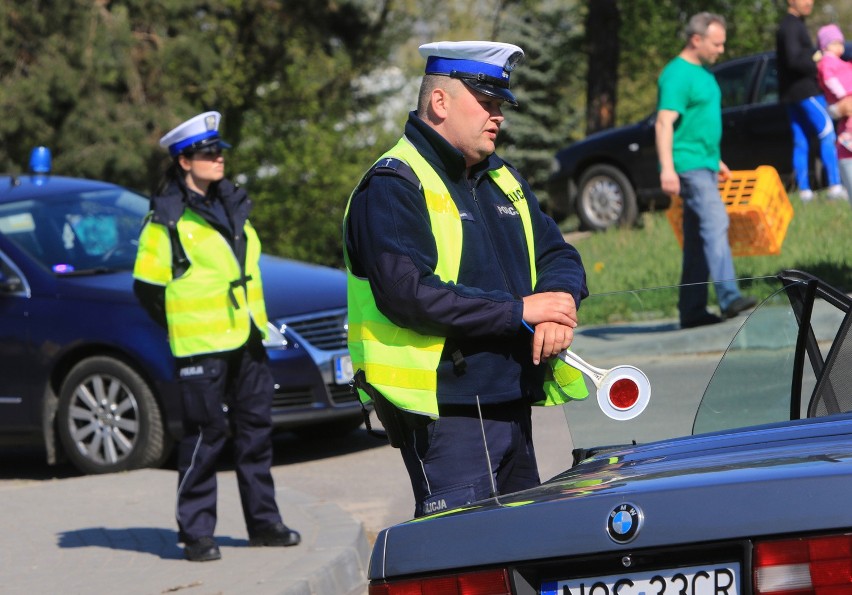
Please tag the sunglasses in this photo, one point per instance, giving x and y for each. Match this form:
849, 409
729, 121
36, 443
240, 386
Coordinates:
207, 153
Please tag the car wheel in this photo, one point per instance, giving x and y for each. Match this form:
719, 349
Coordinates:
108, 419
606, 198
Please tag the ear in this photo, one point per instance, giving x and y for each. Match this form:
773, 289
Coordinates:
185, 163
440, 103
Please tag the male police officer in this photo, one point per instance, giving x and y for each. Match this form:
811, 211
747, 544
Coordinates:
197, 273
450, 261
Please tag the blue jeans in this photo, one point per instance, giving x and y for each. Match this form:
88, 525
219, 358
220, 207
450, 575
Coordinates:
706, 251
811, 115
846, 176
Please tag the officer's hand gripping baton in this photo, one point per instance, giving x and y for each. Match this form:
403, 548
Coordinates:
623, 391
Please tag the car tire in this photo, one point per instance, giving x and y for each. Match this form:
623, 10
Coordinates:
108, 419
605, 198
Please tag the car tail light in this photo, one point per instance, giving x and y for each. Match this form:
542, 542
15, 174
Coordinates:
487, 582
819, 565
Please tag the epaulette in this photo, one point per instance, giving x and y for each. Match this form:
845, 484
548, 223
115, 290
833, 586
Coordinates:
390, 166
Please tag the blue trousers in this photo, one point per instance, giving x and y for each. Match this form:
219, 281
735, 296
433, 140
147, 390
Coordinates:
448, 458
706, 251
811, 116
241, 380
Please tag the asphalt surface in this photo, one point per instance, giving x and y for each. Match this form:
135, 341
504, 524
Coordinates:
112, 533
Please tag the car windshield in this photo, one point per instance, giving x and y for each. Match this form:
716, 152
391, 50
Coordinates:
77, 232
753, 369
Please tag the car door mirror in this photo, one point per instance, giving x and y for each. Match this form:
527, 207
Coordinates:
10, 281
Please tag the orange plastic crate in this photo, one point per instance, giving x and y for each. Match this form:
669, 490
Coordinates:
758, 209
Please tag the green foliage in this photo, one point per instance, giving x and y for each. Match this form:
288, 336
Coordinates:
311, 92
548, 85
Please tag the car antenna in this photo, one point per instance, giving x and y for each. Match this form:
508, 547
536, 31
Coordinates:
494, 493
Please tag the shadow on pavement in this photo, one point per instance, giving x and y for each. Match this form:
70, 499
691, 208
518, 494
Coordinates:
146, 540
29, 463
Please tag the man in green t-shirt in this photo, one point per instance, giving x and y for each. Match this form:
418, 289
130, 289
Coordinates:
689, 130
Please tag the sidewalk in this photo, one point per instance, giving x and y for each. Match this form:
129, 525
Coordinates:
113, 534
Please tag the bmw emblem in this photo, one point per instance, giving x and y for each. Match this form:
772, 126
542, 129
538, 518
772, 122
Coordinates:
624, 522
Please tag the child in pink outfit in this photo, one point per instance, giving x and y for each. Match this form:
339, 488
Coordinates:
835, 79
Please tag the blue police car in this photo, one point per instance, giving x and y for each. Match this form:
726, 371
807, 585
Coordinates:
87, 374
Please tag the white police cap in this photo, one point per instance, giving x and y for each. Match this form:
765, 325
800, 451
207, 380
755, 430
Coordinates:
482, 65
196, 133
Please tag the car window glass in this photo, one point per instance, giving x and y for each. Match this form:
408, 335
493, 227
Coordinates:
640, 328
767, 85
753, 382
734, 81
78, 230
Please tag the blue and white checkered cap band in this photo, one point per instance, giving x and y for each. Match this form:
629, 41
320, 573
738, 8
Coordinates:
439, 65
176, 148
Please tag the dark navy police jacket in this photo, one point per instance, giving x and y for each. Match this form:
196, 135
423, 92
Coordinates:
389, 241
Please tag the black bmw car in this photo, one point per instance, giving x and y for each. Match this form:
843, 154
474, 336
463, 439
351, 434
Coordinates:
734, 480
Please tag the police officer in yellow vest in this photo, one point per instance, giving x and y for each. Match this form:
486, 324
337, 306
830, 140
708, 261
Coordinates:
451, 263
197, 273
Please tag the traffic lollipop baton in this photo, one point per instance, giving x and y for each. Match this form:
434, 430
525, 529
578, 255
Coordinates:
623, 391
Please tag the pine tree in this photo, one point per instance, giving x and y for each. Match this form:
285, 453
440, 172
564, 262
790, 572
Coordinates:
548, 85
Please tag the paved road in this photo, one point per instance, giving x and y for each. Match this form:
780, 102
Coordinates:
71, 534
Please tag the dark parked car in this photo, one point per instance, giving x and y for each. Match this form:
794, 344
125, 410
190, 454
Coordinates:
87, 374
735, 480
610, 176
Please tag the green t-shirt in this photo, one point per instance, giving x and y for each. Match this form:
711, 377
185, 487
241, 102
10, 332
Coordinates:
692, 91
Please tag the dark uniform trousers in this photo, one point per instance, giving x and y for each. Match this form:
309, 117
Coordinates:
448, 458
241, 380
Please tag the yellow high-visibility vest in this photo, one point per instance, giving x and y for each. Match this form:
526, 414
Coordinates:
401, 363
210, 308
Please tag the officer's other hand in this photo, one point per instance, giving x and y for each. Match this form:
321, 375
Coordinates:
550, 339
550, 306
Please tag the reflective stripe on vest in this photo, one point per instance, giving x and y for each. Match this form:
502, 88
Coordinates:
210, 308
561, 381
401, 363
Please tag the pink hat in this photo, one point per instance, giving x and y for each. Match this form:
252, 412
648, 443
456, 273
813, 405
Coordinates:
829, 34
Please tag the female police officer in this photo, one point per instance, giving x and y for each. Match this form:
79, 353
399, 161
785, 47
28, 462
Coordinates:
197, 273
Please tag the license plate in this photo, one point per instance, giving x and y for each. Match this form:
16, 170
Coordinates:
343, 369
696, 580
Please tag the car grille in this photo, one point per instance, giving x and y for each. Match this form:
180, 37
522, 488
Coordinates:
341, 393
296, 397
293, 397
326, 331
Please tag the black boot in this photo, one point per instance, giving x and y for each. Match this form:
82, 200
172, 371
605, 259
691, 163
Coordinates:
276, 535
203, 549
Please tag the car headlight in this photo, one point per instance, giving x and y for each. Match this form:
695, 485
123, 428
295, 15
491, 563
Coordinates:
274, 336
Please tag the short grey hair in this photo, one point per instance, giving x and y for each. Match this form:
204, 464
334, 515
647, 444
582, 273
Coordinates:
429, 83
699, 23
